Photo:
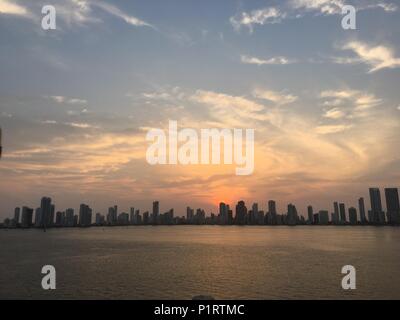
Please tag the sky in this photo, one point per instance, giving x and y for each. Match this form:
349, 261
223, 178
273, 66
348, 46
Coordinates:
76, 102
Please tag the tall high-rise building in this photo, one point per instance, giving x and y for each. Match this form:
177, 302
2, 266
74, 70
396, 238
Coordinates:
342, 210
59, 218
241, 213
85, 215
112, 216
17, 212
378, 215
336, 209
272, 212
392, 205
156, 211
69, 217
189, 214
26, 218
310, 212
132, 215
353, 216
38, 218
292, 216
47, 212
254, 214
323, 217
223, 213
361, 208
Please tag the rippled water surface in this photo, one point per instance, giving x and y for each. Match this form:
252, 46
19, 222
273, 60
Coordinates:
183, 261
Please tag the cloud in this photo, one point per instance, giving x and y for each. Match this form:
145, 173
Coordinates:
232, 111
279, 98
274, 60
388, 7
72, 12
8, 7
262, 16
66, 100
330, 129
5, 115
377, 57
327, 7
222, 100
49, 122
134, 21
358, 100
366, 101
80, 125
334, 113
343, 94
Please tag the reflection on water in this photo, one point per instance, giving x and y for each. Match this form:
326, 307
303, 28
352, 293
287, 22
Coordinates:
184, 261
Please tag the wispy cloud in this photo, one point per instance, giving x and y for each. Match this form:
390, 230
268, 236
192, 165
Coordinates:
66, 100
327, 7
279, 98
132, 20
377, 57
334, 113
294, 9
358, 99
72, 12
81, 125
330, 129
269, 61
12, 8
262, 16
330, 7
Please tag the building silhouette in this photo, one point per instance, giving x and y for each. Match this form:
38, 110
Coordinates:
342, 211
361, 208
353, 216
241, 213
392, 205
377, 214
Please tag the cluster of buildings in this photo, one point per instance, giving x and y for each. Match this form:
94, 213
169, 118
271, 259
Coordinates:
46, 217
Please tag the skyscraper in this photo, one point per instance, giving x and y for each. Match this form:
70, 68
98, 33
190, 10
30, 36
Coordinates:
241, 213
361, 208
376, 206
272, 212
254, 215
132, 216
223, 213
38, 218
353, 216
392, 205
26, 219
292, 216
85, 215
336, 209
342, 210
310, 212
16, 215
156, 211
323, 217
189, 214
69, 217
46, 210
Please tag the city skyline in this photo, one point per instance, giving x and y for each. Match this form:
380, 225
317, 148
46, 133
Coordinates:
76, 102
46, 215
